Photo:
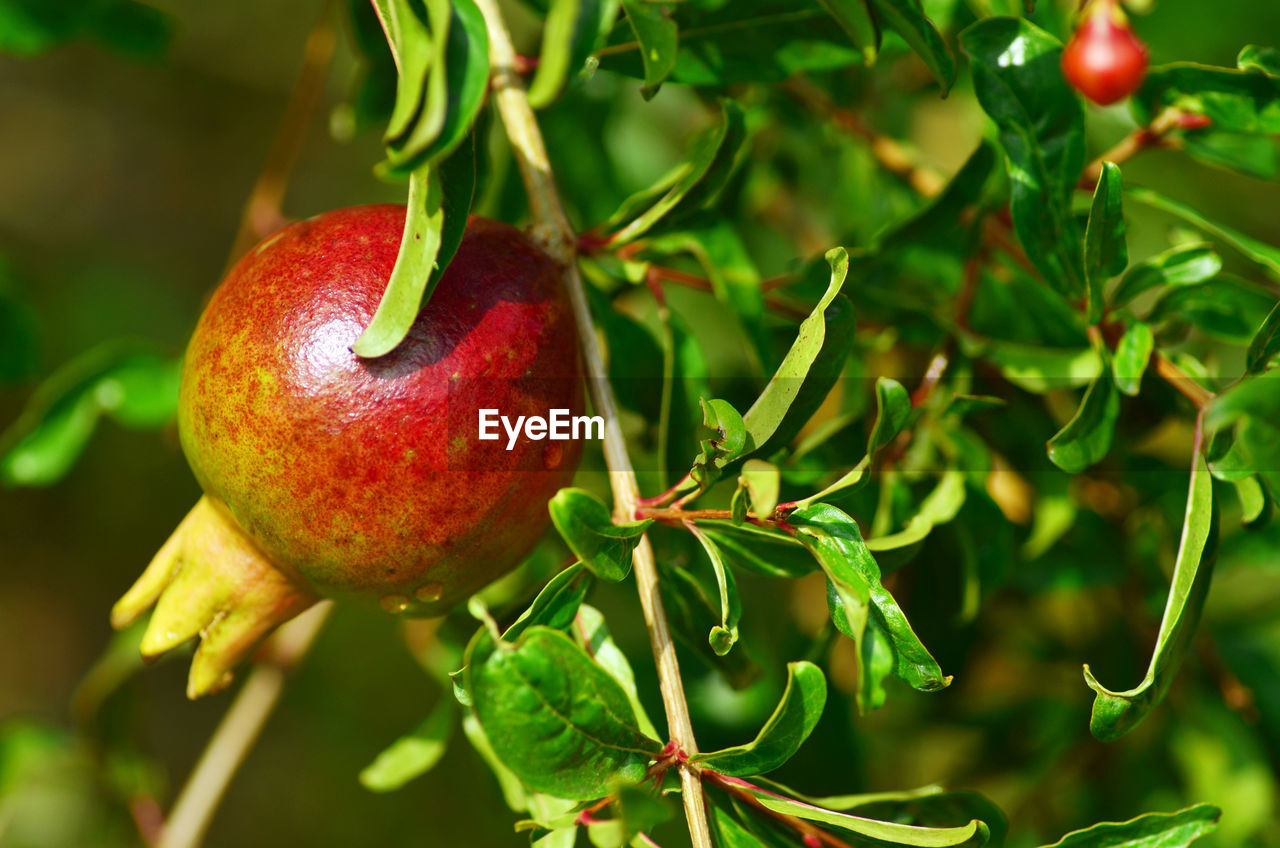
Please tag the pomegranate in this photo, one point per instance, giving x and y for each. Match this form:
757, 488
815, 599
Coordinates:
1104, 60
325, 474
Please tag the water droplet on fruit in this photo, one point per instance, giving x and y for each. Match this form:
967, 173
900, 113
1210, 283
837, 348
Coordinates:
429, 592
395, 603
552, 454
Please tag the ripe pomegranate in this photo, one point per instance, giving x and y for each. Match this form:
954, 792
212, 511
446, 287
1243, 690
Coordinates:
325, 474
1104, 60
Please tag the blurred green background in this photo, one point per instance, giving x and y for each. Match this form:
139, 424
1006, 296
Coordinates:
121, 186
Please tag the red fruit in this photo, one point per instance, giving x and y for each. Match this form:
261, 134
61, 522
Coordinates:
327, 474
1104, 60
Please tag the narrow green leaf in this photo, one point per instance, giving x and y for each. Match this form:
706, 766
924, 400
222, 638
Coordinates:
893, 407
729, 443
786, 730
940, 506
1154, 830
573, 30
1086, 438
555, 606
588, 529
836, 543
657, 35
1254, 503
851, 478
893, 833
554, 717
413, 271
1133, 352
1263, 60
712, 160
907, 18
1181, 266
762, 482
128, 381
592, 634
1260, 252
413, 755
855, 19
724, 635
1116, 713
767, 413
1243, 101
1017, 77
762, 551
1265, 344
442, 125
1040, 369
1106, 253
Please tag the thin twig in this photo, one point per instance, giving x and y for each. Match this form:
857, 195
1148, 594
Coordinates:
551, 228
231, 742
263, 211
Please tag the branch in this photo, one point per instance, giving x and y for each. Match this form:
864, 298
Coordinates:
552, 230
231, 742
263, 211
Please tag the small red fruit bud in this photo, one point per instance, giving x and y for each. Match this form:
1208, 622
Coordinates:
1105, 61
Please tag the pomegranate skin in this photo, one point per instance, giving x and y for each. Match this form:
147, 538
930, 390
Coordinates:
1104, 60
366, 477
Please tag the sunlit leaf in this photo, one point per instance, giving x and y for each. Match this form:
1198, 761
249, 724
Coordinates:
786, 730
415, 754
1116, 713
1106, 253
1154, 830
554, 717
1086, 438
590, 532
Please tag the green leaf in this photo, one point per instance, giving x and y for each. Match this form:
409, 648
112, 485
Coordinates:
1263, 60
657, 35
724, 635
1266, 343
455, 89
907, 18
1181, 266
31, 27
588, 529
939, 507
1017, 77
895, 834
836, 543
1264, 254
1041, 369
1254, 503
893, 407
1106, 253
640, 811
735, 282
554, 717
1086, 438
855, 476
1116, 713
413, 755
695, 182
770, 409
1227, 308
1154, 830
127, 381
855, 19
573, 31
729, 443
435, 219
1234, 100
592, 634
761, 481
555, 606
935, 222
694, 612
1133, 352
786, 730
762, 551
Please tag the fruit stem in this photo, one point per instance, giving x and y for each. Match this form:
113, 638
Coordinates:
552, 229
239, 729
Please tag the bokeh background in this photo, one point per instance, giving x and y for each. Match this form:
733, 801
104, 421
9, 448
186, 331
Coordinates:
122, 179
